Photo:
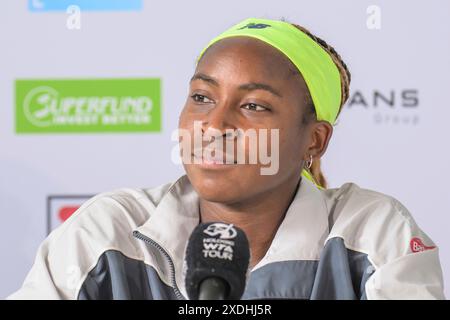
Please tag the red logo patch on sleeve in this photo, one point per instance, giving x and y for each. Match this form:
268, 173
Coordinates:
417, 245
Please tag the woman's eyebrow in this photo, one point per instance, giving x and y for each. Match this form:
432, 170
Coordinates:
246, 86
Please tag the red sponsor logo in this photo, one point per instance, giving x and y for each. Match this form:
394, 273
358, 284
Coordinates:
61, 207
65, 212
417, 245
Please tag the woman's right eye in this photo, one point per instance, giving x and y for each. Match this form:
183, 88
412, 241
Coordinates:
199, 98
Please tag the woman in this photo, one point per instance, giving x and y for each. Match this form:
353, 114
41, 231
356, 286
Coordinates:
307, 241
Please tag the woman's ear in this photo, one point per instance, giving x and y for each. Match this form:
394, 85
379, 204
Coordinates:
320, 134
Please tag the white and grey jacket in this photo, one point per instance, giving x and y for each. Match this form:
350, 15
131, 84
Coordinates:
341, 243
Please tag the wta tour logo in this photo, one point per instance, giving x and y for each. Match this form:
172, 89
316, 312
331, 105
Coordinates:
220, 245
92, 105
223, 230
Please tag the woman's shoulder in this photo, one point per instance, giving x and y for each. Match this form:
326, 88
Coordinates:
136, 203
373, 222
109, 217
359, 202
102, 226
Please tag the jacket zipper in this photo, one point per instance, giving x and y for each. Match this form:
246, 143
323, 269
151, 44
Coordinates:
147, 240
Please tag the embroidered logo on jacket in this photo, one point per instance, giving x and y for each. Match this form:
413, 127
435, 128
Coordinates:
417, 245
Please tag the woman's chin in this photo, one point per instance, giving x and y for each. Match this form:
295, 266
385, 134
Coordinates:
225, 186
216, 190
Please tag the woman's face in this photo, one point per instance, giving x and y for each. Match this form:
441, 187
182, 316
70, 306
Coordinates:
219, 100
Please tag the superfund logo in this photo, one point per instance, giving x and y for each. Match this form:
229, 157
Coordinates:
88, 105
219, 245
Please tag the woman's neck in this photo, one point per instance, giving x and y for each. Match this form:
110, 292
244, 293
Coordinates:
259, 217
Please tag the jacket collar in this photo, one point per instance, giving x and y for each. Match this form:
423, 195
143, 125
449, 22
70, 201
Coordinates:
301, 235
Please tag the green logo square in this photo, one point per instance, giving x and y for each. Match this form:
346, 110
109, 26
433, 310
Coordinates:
88, 105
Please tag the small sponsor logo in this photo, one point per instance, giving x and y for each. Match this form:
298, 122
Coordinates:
223, 230
88, 105
416, 245
388, 106
88, 5
66, 211
253, 25
217, 248
61, 207
220, 246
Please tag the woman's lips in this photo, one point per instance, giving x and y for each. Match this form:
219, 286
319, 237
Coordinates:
212, 161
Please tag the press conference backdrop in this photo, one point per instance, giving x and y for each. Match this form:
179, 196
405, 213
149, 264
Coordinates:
392, 135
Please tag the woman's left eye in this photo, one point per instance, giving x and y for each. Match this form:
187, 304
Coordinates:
254, 107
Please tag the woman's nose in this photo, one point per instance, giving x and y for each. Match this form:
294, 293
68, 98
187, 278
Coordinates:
221, 120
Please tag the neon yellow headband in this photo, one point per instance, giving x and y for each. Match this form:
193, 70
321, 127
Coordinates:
315, 64
321, 75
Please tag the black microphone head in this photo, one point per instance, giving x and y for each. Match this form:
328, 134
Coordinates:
219, 250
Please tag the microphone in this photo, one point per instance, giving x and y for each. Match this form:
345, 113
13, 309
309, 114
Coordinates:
217, 261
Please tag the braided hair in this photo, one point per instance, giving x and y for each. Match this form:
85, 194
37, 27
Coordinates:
310, 113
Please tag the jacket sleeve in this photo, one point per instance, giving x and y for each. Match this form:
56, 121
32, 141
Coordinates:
65, 257
407, 265
412, 276
50, 276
